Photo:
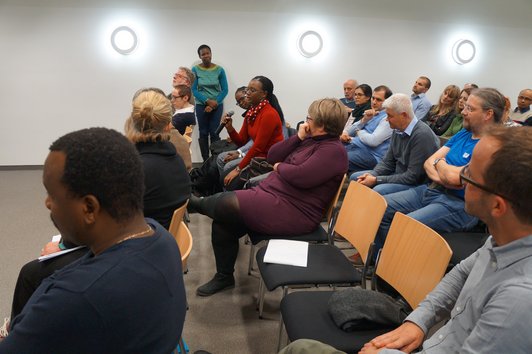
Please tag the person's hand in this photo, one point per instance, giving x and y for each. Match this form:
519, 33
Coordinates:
369, 348
230, 176
368, 115
227, 121
275, 166
212, 103
406, 338
231, 155
345, 138
208, 109
303, 131
49, 248
367, 179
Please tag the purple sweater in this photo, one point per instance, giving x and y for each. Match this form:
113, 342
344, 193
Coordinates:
292, 200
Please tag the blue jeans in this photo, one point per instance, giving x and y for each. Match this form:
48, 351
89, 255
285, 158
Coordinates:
209, 121
385, 188
359, 160
438, 210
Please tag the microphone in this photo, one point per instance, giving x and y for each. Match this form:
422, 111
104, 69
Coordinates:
222, 125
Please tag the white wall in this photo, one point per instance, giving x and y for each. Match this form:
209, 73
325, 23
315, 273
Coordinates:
58, 72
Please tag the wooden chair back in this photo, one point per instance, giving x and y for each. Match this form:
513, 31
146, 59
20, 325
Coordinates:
360, 216
184, 242
413, 259
330, 210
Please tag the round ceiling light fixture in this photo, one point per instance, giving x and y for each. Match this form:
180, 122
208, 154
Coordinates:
124, 40
310, 44
464, 51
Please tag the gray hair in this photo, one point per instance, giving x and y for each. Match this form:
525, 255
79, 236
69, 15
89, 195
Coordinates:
491, 99
190, 75
399, 103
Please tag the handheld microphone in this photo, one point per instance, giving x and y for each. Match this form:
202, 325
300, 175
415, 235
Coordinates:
222, 125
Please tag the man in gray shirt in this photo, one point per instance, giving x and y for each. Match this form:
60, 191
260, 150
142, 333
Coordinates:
488, 296
412, 143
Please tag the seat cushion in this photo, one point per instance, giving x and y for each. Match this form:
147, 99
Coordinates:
305, 315
326, 265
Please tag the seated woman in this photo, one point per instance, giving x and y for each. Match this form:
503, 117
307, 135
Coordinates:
362, 96
167, 186
262, 124
308, 167
441, 115
166, 178
458, 120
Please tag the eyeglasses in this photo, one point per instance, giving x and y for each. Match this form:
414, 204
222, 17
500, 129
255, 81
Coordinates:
176, 97
524, 98
358, 94
466, 179
251, 90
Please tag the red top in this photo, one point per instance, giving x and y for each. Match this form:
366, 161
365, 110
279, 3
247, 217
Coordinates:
265, 131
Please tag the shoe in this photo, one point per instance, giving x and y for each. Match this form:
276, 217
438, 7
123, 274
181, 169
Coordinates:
193, 204
218, 283
4, 330
356, 259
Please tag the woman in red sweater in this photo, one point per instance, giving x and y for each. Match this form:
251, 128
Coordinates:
262, 124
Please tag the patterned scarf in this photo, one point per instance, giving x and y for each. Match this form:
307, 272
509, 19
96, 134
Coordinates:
254, 111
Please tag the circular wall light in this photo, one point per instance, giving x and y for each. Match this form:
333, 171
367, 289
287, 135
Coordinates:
464, 51
124, 40
310, 44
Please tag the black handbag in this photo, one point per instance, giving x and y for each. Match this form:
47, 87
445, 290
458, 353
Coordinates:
256, 167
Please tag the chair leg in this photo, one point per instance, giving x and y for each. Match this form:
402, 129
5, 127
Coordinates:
281, 323
262, 294
251, 256
261, 284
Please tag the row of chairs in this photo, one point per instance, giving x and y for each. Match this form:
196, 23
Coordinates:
412, 261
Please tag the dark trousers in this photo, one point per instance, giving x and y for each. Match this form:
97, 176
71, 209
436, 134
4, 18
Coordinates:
33, 273
227, 228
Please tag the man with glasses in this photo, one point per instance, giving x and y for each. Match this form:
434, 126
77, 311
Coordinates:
522, 112
488, 296
184, 115
370, 136
440, 205
184, 76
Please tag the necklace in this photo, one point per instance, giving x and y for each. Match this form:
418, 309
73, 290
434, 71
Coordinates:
142, 233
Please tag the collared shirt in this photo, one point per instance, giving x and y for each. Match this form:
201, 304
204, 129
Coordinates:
519, 115
420, 104
489, 299
408, 130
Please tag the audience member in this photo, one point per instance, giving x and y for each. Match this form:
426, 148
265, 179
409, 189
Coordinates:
411, 144
94, 181
183, 76
262, 124
369, 138
441, 205
349, 95
420, 102
167, 183
362, 97
506, 114
184, 111
210, 89
488, 296
522, 112
441, 115
228, 160
470, 86
457, 122
308, 167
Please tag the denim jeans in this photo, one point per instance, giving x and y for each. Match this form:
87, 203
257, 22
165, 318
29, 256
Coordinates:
208, 122
359, 159
437, 209
385, 188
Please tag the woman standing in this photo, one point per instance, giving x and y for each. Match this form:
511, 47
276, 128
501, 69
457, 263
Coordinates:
307, 169
441, 115
210, 89
262, 124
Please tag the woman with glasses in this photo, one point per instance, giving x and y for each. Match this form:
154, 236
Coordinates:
307, 170
210, 89
262, 124
184, 111
440, 116
362, 97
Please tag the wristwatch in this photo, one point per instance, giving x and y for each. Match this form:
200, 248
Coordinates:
438, 160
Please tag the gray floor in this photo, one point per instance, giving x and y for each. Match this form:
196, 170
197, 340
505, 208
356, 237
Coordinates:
223, 323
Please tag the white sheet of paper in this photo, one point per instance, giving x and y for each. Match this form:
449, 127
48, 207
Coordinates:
287, 252
57, 254
56, 238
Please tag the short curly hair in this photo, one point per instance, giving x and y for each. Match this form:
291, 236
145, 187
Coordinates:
103, 163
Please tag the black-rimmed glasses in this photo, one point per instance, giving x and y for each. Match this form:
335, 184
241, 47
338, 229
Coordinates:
466, 179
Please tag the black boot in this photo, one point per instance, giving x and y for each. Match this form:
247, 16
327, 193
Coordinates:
218, 283
204, 147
